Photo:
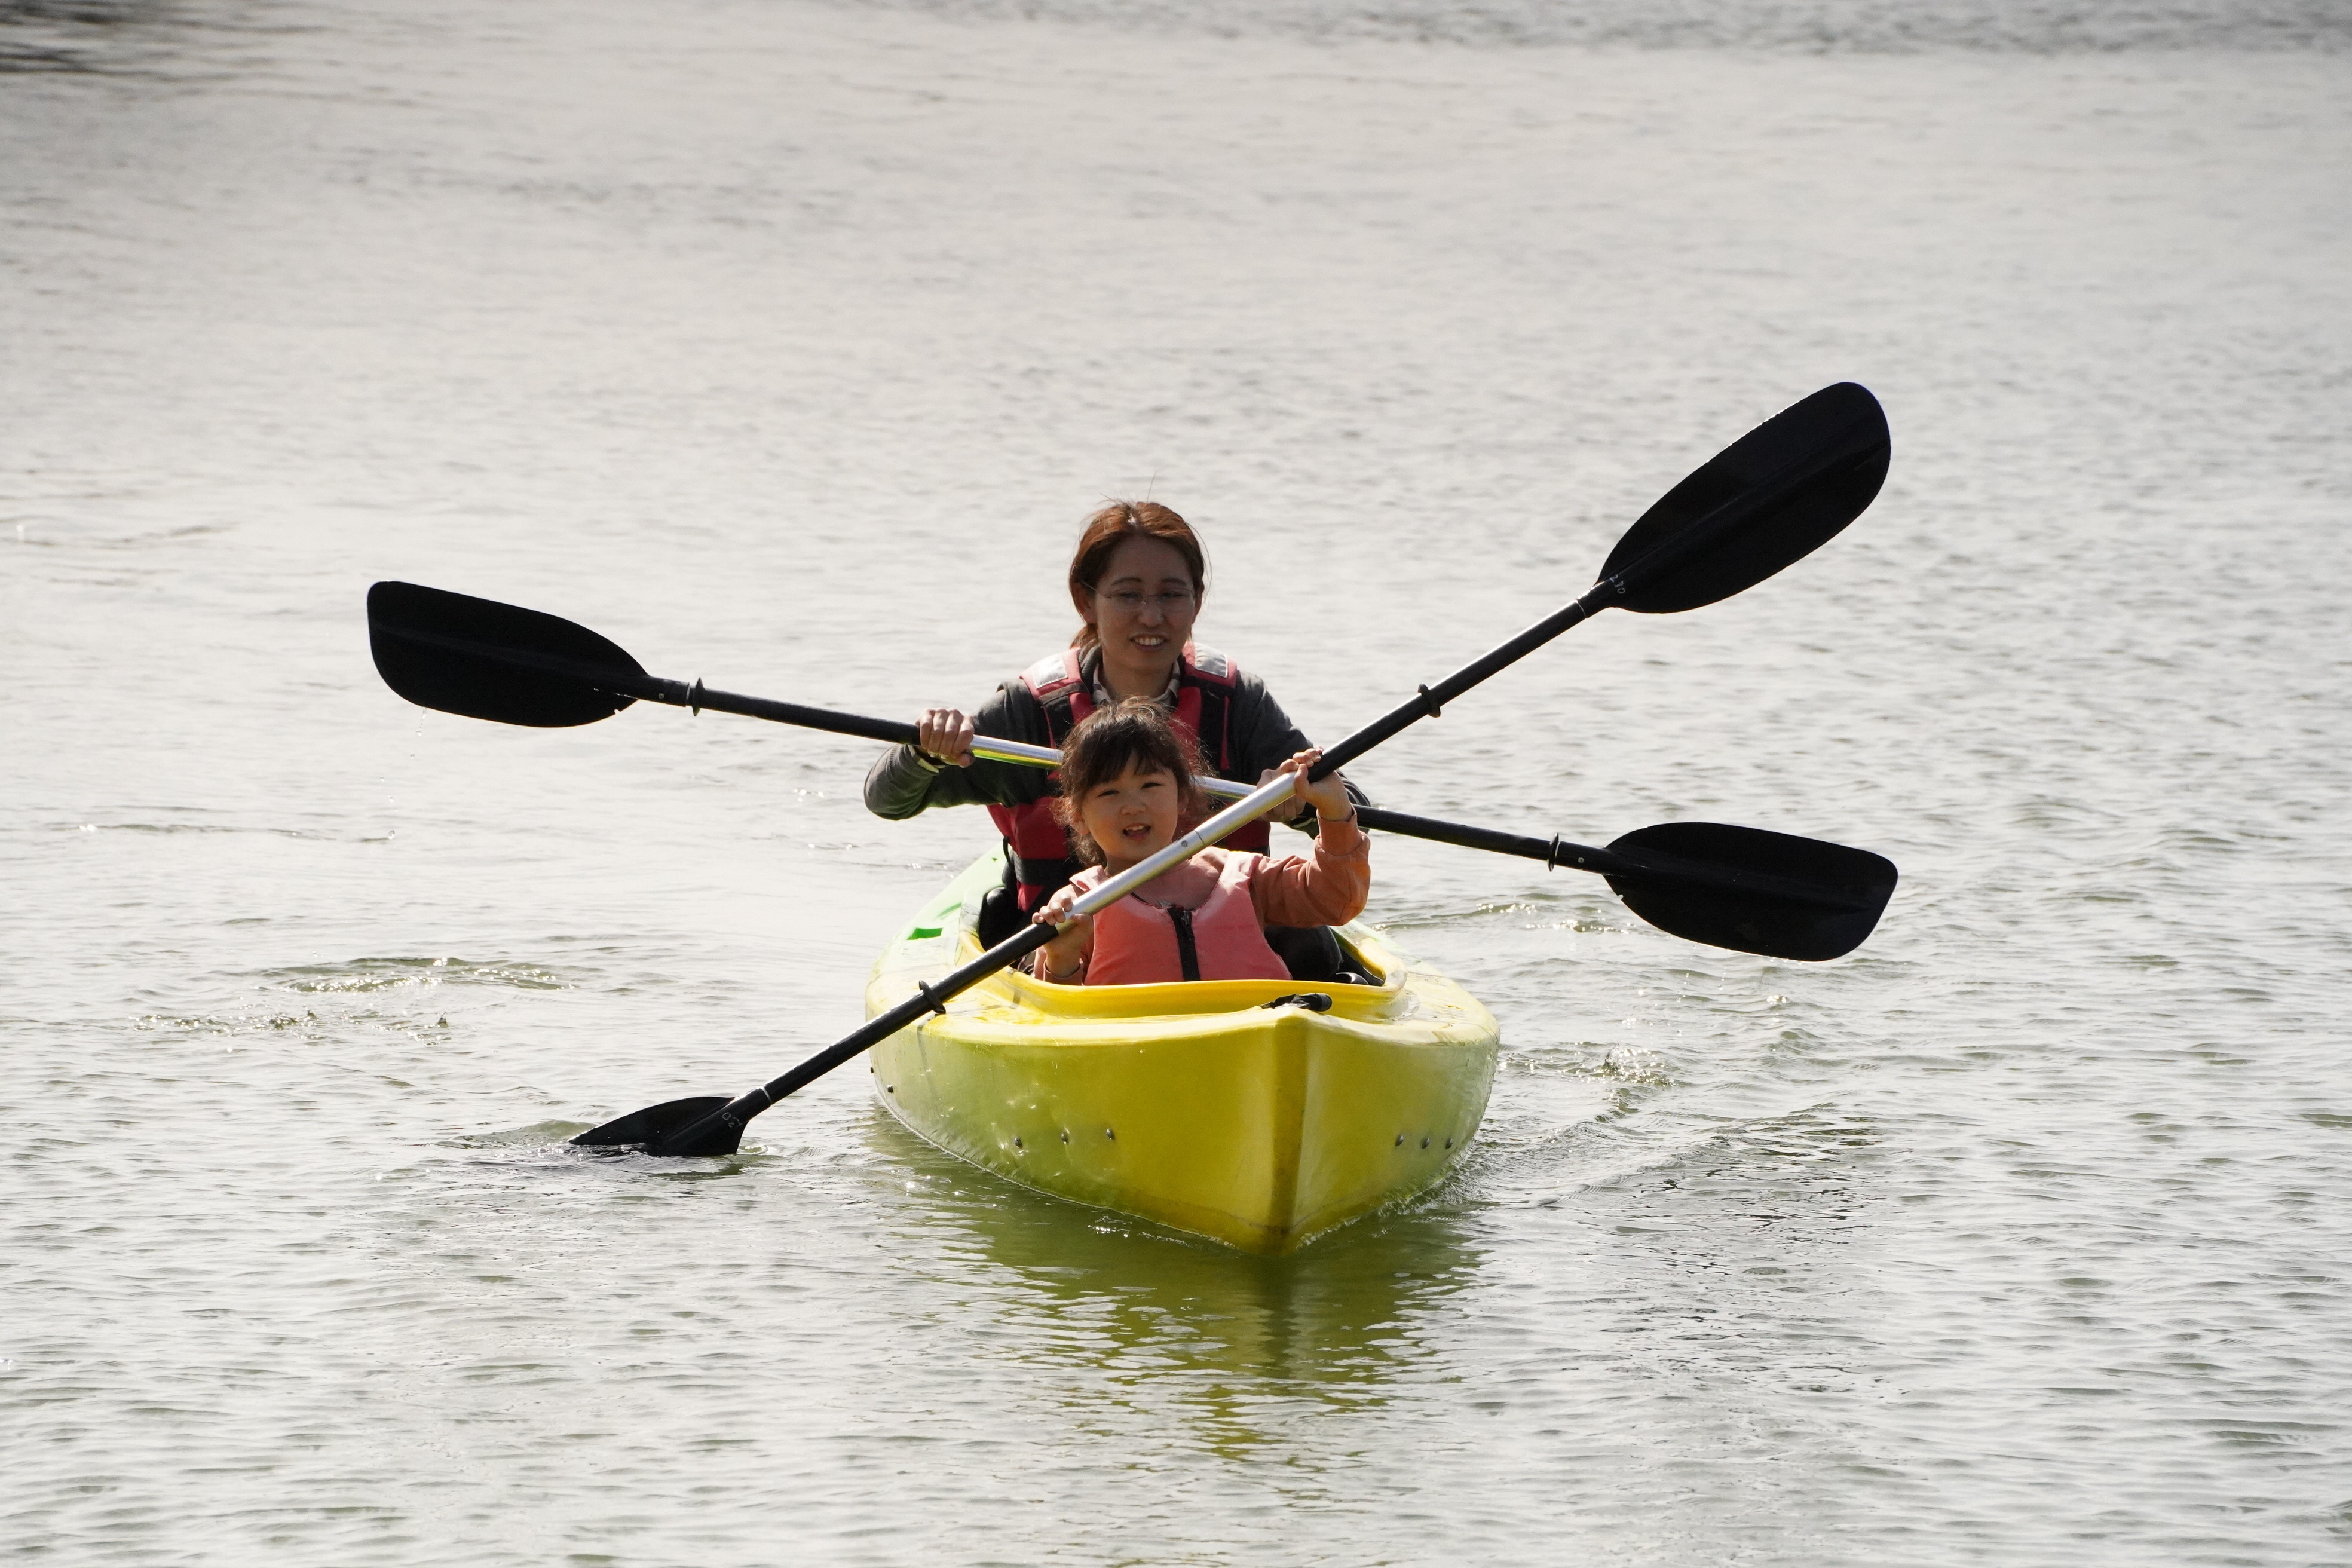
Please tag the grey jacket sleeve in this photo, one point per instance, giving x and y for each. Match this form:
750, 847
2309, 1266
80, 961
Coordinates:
900, 784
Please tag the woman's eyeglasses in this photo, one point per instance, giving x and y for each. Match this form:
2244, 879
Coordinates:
1128, 602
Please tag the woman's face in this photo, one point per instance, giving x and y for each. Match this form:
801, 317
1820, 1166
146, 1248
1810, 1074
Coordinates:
1142, 606
1132, 816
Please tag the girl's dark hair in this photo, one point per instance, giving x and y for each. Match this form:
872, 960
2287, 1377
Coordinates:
1134, 732
1114, 526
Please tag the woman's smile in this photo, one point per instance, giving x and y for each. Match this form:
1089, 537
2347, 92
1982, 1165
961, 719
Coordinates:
1142, 610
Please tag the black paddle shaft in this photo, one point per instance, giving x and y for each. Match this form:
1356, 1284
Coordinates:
1689, 871
1553, 852
1429, 698
698, 697
1745, 889
638, 686
727, 1122
1822, 461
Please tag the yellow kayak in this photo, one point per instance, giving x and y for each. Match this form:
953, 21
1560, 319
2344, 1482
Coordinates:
1195, 1105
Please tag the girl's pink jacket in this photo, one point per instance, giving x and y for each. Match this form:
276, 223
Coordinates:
1135, 940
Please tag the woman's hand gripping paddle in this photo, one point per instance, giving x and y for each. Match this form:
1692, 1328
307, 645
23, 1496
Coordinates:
1768, 499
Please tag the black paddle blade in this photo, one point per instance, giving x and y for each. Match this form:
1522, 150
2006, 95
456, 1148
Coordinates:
654, 1128
1753, 891
482, 659
1793, 483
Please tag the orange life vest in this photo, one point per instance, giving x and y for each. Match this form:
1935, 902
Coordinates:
1206, 683
1140, 943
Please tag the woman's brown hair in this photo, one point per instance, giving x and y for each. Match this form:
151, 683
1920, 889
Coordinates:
1114, 526
1134, 732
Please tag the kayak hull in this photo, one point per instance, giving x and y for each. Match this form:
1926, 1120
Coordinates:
1195, 1105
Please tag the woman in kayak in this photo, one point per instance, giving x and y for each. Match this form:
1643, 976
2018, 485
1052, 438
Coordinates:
1137, 581
1126, 781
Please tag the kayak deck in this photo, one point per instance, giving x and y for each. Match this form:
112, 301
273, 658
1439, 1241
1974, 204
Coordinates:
1192, 1104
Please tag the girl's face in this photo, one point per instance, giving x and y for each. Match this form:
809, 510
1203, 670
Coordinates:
1132, 816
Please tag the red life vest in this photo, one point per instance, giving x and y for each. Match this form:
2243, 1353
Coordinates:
1140, 943
1206, 683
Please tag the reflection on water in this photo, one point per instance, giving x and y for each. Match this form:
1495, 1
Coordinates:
1143, 1307
1865, 26
82, 36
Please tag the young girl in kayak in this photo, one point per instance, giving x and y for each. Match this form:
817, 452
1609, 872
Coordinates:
1138, 580
1127, 789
